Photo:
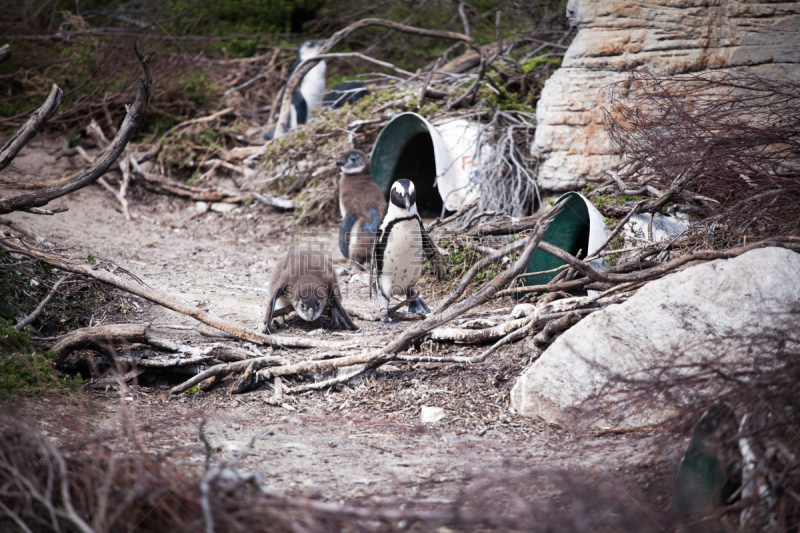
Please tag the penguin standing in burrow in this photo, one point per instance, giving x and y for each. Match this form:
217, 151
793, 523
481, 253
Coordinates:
361, 203
401, 248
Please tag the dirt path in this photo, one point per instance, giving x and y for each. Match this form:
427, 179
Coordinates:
361, 444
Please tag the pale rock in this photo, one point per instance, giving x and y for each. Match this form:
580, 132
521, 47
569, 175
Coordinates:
667, 36
222, 207
693, 313
201, 207
522, 310
431, 415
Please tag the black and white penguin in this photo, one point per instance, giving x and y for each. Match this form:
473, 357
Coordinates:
309, 95
401, 248
361, 203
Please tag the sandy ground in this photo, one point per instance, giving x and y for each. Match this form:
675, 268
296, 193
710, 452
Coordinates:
361, 444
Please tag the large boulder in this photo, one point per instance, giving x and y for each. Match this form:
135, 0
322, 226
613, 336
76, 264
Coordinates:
669, 37
688, 312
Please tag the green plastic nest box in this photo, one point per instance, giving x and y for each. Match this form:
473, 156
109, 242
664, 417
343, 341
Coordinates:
578, 227
442, 160
709, 472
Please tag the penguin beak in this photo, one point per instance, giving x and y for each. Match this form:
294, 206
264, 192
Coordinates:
340, 163
407, 201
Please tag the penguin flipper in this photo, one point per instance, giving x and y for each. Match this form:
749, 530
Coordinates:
337, 309
371, 227
431, 253
348, 222
271, 310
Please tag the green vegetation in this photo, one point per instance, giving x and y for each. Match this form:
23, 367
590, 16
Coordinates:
538, 61
616, 243
26, 370
461, 259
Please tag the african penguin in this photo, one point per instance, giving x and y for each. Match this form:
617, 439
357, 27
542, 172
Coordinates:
304, 281
401, 248
308, 96
361, 203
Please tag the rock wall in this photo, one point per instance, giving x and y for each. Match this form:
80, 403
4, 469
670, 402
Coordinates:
669, 37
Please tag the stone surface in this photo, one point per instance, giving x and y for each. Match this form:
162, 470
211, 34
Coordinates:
669, 37
688, 312
431, 415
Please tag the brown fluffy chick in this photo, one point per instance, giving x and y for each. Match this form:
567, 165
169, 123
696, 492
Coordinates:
304, 281
362, 204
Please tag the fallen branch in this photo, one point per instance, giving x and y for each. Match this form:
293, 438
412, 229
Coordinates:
30, 128
438, 222
368, 59
162, 299
344, 378
107, 158
98, 336
554, 327
792, 243
477, 336
39, 308
279, 203
504, 227
616, 230
156, 148
227, 369
161, 185
462, 285
378, 357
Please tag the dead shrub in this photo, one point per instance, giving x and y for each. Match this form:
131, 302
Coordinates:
732, 139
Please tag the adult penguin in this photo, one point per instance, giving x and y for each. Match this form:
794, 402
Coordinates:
309, 95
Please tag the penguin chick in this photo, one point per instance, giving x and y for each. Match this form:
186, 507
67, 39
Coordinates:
304, 281
361, 204
401, 248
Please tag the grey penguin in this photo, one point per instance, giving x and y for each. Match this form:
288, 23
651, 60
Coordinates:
401, 248
309, 95
305, 281
361, 203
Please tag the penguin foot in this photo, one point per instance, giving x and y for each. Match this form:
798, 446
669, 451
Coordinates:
418, 307
386, 322
337, 321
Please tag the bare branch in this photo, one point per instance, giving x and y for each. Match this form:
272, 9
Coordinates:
162, 299
30, 128
39, 308
299, 73
224, 370
462, 285
107, 158
792, 243
368, 59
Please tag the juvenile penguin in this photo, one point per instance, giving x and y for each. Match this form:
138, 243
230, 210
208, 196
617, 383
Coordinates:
361, 203
401, 248
304, 281
308, 96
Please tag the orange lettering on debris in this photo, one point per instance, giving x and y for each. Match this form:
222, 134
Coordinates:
466, 159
